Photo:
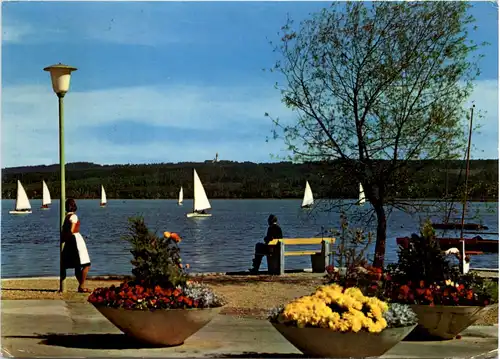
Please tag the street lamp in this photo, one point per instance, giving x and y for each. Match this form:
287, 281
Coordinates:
60, 75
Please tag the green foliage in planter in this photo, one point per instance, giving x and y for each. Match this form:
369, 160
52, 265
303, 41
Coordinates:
421, 258
157, 260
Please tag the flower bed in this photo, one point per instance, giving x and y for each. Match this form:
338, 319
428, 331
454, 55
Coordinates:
343, 309
131, 295
445, 300
161, 305
333, 321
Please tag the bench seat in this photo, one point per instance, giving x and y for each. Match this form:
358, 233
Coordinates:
319, 258
301, 253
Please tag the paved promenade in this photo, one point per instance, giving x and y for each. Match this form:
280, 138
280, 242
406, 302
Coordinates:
74, 329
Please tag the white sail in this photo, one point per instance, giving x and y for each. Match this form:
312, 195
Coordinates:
308, 196
22, 201
103, 195
200, 197
181, 196
361, 195
46, 194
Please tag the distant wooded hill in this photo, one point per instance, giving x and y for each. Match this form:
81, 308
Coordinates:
226, 179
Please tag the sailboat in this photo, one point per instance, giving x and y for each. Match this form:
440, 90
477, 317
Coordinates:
362, 198
200, 202
104, 201
181, 197
46, 200
308, 200
23, 205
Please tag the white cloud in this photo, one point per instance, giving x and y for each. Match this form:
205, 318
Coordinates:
30, 126
110, 22
15, 32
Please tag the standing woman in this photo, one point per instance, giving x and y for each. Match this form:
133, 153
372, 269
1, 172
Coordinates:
75, 254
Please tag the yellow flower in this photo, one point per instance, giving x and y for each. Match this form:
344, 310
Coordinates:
315, 310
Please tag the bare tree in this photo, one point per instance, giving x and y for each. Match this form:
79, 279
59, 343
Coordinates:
375, 87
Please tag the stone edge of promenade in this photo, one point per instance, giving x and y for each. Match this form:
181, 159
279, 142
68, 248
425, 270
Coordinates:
487, 272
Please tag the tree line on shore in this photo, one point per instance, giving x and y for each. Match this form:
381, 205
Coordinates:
226, 179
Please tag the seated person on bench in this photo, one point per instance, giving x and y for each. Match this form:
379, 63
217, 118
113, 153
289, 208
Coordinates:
262, 249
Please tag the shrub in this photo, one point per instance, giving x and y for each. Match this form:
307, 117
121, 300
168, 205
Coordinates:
160, 279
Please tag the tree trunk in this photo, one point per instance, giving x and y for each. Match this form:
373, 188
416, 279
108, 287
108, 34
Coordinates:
378, 260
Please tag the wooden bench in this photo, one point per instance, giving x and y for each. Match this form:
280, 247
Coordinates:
319, 258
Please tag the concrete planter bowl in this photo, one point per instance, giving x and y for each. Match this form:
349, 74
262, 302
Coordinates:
445, 321
326, 343
162, 327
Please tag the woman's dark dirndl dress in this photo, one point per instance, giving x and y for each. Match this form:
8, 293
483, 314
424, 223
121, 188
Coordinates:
75, 253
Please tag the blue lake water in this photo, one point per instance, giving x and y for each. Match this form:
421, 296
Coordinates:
221, 243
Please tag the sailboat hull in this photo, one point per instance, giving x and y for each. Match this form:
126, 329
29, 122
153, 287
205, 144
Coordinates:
308, 206
102, 205
191, 215
44, 208
179, 204
20, 212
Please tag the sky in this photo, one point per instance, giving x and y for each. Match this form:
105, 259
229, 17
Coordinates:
166, 81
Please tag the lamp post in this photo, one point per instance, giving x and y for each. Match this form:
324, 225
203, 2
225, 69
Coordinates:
60, 75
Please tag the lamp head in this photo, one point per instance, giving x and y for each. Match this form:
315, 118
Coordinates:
60, 75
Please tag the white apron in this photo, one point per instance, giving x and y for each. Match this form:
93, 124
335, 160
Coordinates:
83, 254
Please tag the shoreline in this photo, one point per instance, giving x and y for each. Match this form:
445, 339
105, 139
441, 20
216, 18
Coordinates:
292, 272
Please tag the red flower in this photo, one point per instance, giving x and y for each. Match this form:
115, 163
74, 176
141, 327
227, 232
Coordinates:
158, 290
404, 289
176, 238
139, 289
177, 292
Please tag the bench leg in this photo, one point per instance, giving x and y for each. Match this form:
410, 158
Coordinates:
273, 264
276, 260
320, 261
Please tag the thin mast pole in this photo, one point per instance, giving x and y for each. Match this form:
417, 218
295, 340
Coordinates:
464, 206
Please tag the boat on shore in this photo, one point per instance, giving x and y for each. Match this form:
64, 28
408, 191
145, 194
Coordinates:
473, 246
458, 226
23, 205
